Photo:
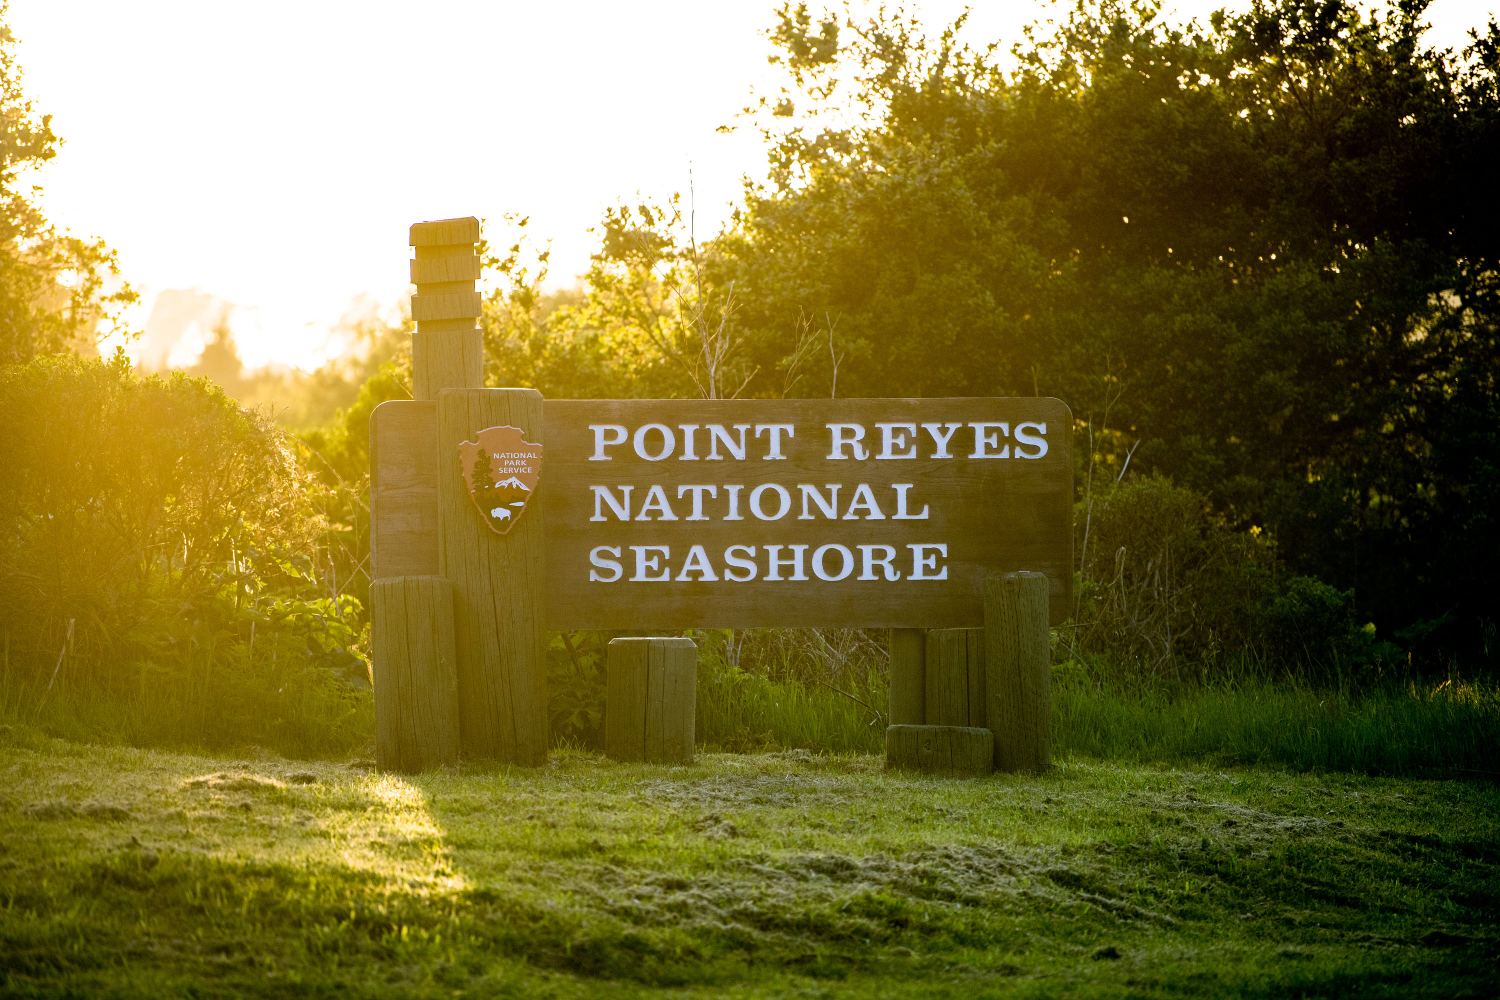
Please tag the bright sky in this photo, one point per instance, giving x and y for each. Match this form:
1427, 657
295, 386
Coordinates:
273, 154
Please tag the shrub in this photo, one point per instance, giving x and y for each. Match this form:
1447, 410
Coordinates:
1167, 588
158, 554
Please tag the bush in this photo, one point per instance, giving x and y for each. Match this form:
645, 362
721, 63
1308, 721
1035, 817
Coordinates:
159, 559
1168, 589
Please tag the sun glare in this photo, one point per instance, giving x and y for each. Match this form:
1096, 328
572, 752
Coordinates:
270, 159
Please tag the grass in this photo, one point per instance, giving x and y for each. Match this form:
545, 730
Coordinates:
1448, 727
285, 704
744, 711
146, 873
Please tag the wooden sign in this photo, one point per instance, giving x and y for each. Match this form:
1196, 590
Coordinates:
910, 514
736, 513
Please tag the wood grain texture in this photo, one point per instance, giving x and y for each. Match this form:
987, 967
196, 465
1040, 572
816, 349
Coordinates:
462, 264
499, 602
650, 699
958, 750
954, 677
995, 514
626, 667
908, 677
447, 301
446, 359
403, 489
1018, 670
416, 674
445, 232
671, 716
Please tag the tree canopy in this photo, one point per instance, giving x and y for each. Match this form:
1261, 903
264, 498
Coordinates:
1257, 254
57, 292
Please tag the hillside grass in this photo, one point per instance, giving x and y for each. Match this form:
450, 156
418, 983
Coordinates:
127, 872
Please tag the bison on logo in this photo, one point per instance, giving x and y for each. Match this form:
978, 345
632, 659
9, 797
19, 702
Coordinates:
501, 469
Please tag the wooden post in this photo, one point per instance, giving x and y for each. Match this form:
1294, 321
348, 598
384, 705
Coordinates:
939, 749
416, 677
650, 696
907, 681
1017, 670
498, 585
403, 489
447, 351
954, 677
414, 656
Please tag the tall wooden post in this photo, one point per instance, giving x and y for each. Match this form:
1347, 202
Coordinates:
498, 583
417, 670
478, 629
1018, 692
447, 351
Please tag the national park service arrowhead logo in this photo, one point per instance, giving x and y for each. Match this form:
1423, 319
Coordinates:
501, 468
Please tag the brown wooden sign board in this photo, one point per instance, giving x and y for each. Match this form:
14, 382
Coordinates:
926, 496
855, 512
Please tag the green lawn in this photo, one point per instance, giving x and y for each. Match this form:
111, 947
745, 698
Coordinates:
133, 872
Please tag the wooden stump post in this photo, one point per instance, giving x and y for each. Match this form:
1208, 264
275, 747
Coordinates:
651, 688
1017, 670
940, 749
416, 674
447, 351
954, 674
907, 677
498, 584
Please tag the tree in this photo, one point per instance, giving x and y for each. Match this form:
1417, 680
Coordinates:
646, 323
57, 292
1263, 247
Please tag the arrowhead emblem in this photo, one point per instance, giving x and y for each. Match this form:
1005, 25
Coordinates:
501, 469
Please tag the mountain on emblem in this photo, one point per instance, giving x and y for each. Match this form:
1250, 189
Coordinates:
501, 469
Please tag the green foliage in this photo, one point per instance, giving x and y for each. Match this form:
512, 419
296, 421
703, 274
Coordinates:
1264, 246
1255, 255
575, 688
57, 292
162, 553
1167, 588
647, 323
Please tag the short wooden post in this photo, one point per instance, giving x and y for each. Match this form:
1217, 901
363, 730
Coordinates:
907, 680
954, 675
416, 674
1017, 670
651, 687
447, 351
498, 586
939, 749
